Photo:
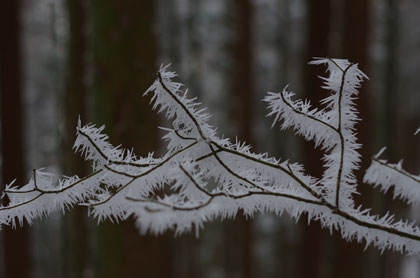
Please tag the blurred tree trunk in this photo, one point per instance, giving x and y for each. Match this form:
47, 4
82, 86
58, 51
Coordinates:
76, 234
240, 232
395, 135
124, 58
317, 46
175, 27
194, 46
355, 49
286, 240
16, 242
391, 76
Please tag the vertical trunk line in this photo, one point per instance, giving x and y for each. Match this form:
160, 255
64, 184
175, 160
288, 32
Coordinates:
318, 34
242, 92
16, 242
75, 260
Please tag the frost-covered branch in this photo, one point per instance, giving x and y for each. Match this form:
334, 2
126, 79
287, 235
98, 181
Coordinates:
385, 175
204, 176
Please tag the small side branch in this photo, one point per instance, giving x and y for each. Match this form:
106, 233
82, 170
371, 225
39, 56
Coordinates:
57, 191
340, 133
111, 161
399, 171
135, 177
276, 166
162, 83
305, 114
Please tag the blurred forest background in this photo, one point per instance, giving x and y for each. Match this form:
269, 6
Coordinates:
64, 58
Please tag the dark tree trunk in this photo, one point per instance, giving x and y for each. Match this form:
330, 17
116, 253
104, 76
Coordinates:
355, 49
393, 133
124, 58
391, 76
317, 46
16, 244
242, 75
242, 96
76, 233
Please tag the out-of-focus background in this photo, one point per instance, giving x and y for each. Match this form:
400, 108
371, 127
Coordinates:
65, 58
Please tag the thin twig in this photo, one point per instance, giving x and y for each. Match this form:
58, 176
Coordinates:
104, 156
396, 170
340, 169
182, 105
135, 177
